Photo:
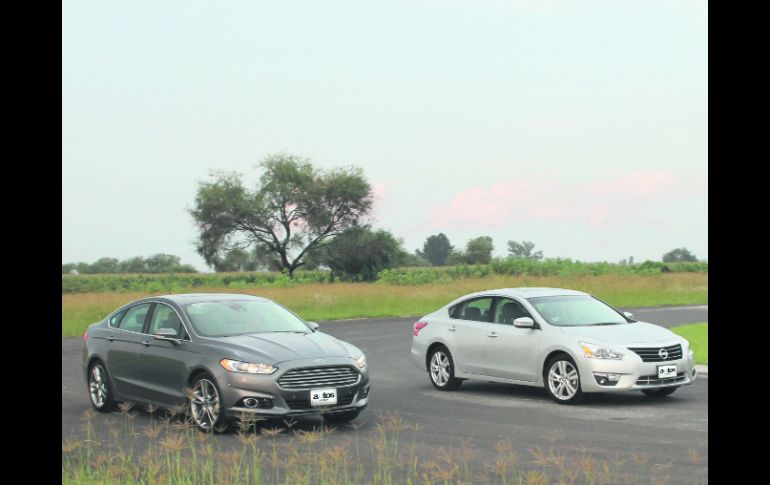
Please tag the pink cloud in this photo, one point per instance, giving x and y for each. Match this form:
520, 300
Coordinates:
602, 202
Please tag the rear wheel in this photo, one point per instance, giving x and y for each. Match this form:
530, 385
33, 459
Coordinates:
662, 392
442, 370
99, 388
562, 380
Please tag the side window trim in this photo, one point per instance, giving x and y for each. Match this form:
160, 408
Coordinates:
184, 326
125, 311
522, 305
119, 314
455, 308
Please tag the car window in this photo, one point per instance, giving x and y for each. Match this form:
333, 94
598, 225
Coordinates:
477, 310
115, 319
134, 318
165, 317
509, 310
576, 310
238, 317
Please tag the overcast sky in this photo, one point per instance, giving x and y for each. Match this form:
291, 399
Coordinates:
581, 126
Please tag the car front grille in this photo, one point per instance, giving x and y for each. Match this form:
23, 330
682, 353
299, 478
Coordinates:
317, 377
652, 354
653, 380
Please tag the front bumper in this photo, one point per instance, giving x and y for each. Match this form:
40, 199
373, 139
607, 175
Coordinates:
236, 387
634, 373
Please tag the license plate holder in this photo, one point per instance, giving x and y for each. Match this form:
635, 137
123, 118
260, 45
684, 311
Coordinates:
323, 397
667, 371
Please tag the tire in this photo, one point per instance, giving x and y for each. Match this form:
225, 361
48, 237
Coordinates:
440, 359
341, 418
205, 405
662, 392
561, 379
99, 388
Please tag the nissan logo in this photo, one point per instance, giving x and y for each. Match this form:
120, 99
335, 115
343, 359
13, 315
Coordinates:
663, 354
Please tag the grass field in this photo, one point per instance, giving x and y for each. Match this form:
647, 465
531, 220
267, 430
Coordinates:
171, 451
357, 300
698, 335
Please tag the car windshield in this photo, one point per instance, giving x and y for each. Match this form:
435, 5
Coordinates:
575, 310
240, 317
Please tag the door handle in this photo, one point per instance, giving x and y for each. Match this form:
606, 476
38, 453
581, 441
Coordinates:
146, 343
492, 335
110, 338
452, 328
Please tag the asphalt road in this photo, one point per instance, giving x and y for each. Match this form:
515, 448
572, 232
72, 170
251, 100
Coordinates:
486, 412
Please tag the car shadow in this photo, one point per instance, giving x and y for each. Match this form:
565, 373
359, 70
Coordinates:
605, 399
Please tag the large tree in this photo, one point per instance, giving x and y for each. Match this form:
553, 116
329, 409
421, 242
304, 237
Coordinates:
436, 249
293, 210
524, 250
479, 250
679, 255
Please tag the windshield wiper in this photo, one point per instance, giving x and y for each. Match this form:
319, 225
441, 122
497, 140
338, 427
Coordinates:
604, 323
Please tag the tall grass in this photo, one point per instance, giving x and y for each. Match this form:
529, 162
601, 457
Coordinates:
358, 300
171, 451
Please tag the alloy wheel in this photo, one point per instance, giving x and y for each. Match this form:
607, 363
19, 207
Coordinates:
97, 386
563, 380
439, 368
204, 404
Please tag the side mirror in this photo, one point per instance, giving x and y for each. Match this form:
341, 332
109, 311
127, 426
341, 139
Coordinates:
524, 322
628, 315
166, 334
313, 325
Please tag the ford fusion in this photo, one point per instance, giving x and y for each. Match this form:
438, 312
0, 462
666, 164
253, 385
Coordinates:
223, 355
566, 341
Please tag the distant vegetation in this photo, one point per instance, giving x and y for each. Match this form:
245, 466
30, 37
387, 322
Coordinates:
171, 283
158, 263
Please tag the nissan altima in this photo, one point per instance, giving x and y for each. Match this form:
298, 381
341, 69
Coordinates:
566, 341
223, 356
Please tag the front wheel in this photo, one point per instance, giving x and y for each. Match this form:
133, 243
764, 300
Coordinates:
442, 370
206, 405
662, 392
562, 380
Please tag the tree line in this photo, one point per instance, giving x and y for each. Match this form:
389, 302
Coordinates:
157, 263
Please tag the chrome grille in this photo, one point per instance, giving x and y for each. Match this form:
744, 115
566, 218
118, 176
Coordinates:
655, 381
314, 377
651, 354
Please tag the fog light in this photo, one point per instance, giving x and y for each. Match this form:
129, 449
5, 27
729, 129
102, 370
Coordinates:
606, 378
364, 393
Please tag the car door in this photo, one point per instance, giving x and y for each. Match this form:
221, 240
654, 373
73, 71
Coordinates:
511, 352
467, 338
164, 363
124, 349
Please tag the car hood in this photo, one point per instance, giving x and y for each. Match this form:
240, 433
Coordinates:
624, 334
279, 347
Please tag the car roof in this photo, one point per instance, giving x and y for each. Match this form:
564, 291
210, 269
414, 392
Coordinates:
526, 292
185, 298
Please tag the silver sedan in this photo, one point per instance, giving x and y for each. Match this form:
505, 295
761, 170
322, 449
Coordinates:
566, 341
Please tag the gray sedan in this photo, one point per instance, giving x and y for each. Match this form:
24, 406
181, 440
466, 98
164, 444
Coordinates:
224, 355
566, 341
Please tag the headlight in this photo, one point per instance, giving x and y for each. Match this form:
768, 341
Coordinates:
361, 361
248, 367
593, 351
